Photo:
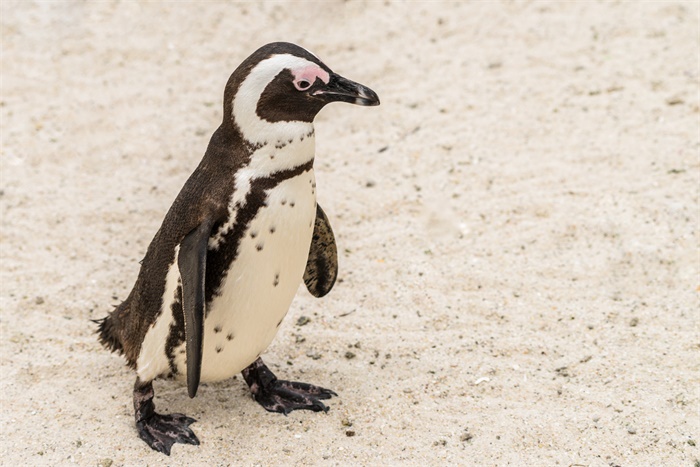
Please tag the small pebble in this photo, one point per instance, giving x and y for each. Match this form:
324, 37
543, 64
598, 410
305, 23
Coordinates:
634, 322
631, 430
349, 355
350, 433
346, 422
39, 300
106, 462
303, 320
466, 437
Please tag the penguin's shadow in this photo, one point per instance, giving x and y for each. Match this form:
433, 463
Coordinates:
215, 402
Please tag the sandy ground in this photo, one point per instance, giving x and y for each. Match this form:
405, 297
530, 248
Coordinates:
518, 224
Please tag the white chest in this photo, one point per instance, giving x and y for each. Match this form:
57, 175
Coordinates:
261, 283
258, 288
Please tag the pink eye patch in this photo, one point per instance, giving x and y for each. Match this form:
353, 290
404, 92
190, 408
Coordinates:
305, 77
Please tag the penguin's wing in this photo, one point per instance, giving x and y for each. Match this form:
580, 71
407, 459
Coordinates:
192, 262
322, 265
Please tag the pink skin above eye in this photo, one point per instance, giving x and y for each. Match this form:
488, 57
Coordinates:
305, 77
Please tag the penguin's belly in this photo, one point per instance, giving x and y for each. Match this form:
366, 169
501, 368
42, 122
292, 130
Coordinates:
243, 317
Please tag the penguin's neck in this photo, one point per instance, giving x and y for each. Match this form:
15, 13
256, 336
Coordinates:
268, 161
282, 152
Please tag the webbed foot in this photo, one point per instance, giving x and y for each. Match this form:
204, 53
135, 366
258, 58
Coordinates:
277, 395
160, 432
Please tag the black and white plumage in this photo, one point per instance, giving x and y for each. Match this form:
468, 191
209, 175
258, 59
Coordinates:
245, 230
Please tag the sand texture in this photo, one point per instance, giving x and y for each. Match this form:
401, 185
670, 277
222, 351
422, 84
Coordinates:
518, 227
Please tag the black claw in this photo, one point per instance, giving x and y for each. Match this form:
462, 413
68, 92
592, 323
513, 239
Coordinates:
160, 432
281, 396
308, 389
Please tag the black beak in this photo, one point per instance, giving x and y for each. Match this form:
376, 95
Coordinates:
340, 89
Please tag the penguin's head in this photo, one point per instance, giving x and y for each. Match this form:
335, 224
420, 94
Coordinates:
282, 85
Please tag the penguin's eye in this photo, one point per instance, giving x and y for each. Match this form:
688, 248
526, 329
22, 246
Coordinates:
303, 85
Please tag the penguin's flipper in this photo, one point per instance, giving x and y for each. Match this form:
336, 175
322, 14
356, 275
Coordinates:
192, 262
322, 265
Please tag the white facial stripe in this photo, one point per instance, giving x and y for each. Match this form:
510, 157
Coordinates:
254, 129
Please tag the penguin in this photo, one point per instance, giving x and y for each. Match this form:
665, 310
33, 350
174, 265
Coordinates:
243, 233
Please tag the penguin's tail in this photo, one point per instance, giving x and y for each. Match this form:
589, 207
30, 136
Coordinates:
107, 333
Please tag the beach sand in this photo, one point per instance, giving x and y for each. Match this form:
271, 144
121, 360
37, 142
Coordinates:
518, 227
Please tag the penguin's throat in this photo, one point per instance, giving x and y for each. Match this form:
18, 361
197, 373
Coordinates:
282, 152
269, 161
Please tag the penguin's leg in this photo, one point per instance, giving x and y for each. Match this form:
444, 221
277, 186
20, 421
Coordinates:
160, 432
276, 395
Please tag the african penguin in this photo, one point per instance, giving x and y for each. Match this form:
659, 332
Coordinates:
245, 230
